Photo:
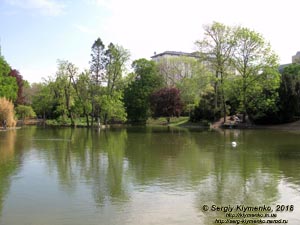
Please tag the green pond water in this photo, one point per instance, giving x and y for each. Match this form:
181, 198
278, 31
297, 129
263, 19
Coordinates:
147, 175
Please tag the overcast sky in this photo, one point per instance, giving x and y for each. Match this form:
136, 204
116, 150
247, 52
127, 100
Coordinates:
35, 33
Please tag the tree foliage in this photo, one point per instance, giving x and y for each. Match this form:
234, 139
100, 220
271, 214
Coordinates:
258, 77
189, 75
20, 82
289, 93
216, 49
8, 84
246, 70
117, 57
166, 102
204, 111
98, 62
64, 91
97, 71
137, 93
106, 68
24, 112
82, 87
43, 100
112, 106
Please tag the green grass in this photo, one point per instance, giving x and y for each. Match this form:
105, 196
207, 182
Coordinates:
66, 122
174, 121
177, 121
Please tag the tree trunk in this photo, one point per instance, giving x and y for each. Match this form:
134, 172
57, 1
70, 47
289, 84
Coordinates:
93, 115
216, 96
223, 98
72, 119
244, 101
223, 105
87, 120
105, 119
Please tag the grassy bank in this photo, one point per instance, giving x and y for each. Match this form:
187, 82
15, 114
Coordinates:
162, 121
174, 121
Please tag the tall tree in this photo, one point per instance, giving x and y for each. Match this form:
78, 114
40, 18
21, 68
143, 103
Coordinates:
98, 61
64, 90
257, 66
97, 70
81, 84
216, 49
117, 57
137, 93
112, 106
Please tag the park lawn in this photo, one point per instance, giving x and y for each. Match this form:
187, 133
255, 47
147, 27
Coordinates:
174, 121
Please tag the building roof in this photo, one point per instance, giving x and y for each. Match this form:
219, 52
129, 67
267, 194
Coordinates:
173, 53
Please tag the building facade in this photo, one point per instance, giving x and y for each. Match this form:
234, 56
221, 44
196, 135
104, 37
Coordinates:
174, 66
296, 58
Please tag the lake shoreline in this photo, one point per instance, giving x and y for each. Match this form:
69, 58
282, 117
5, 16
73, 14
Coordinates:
186, 124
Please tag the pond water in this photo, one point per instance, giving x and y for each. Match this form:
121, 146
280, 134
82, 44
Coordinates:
147, 175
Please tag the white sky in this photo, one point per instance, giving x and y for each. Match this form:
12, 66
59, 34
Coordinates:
35, 33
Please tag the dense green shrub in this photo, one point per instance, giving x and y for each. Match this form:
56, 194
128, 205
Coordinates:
205, 110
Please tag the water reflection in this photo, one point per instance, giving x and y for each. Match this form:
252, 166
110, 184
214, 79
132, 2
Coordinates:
123, 172
9, 162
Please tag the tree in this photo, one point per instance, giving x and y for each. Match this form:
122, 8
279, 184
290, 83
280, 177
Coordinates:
20, 82
117, 57
166, 102
64, 90
4, 67
289, 93
43, 99
8, 84
82, 86
257, 67
216, 50
137, 93
97, 70
98, 62
27, 93
205, 110
193, 88
112, 106
24, 112
187, 74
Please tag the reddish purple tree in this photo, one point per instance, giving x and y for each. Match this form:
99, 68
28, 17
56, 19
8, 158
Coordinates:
166, 102
20, 82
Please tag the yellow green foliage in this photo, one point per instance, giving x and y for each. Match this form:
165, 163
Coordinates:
7, 112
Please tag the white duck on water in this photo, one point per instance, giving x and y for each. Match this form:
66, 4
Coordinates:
233, 144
